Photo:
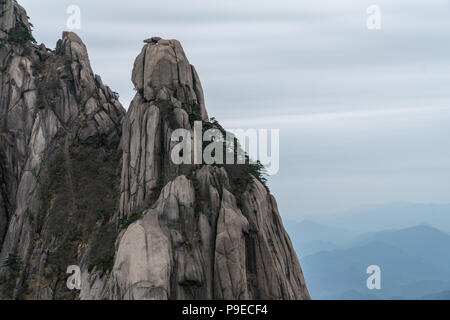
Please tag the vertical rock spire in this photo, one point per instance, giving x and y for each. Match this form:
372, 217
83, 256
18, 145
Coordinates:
198, 235
162, 71
168, 91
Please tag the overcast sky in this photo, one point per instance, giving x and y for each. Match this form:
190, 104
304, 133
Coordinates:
364, 115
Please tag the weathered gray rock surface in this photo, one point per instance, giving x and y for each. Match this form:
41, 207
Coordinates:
84, 183
12, 14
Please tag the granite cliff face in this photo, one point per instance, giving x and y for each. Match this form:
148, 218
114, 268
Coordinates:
82, 182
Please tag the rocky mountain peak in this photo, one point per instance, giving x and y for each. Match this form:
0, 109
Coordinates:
51, 104
197, 231
72, 47
163, 72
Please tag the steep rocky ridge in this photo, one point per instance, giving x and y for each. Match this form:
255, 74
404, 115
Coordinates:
52, 107
84, 183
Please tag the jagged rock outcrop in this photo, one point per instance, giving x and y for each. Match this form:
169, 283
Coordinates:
84, 183
200, 237
168, 89
51, 104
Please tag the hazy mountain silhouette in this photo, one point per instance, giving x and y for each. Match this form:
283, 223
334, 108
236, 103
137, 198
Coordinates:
392, 216
310, 237
414, 263
423, 242
445, 295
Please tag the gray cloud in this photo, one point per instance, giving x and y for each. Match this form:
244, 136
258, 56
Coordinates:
274, 63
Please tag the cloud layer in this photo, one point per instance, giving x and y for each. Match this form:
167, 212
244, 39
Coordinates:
363, 113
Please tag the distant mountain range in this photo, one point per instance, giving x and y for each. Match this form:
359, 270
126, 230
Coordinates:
414, 260
445, 295
310, 237
392, 216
